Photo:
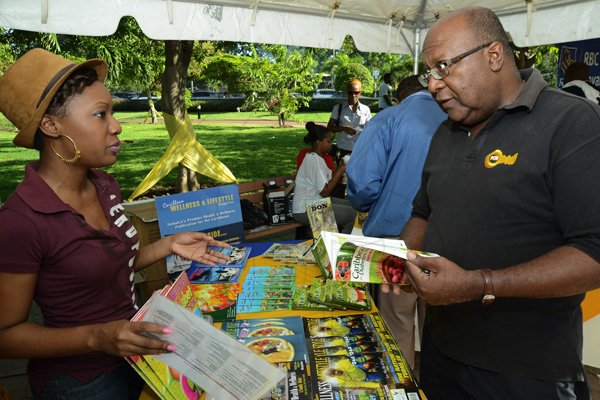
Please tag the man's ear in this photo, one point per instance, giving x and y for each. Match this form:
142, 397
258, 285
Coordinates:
496, 56
49, 126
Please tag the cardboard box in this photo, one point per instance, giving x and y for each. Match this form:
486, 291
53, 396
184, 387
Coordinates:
277, 203
142, 214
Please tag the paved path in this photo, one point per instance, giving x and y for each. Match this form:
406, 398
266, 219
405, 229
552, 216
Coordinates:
228, 121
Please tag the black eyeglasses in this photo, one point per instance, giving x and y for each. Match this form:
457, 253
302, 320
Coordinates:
353, 92
442, 69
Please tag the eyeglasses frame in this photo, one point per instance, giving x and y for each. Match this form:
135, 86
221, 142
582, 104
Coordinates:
435, 70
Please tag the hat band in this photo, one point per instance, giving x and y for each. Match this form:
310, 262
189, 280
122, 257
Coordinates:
52, 81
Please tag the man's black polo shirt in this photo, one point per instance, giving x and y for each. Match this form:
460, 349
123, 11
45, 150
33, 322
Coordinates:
528, 183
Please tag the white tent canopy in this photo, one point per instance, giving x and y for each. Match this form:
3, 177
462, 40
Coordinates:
393, 26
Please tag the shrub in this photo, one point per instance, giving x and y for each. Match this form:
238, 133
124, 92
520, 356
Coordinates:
350, 71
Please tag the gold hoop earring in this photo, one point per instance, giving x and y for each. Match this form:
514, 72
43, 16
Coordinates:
77, 155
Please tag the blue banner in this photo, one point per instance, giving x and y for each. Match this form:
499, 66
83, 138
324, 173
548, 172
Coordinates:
215, 211
585, 51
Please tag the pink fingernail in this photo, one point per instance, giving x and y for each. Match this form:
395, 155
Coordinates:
171, 348
166, 331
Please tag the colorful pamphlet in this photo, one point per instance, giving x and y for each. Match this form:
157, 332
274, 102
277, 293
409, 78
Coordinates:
364, 259
301, 301
217, 300
221, 273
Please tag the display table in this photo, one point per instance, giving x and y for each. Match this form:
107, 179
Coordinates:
304, 276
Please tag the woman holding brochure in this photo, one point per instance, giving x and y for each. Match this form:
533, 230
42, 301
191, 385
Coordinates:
315, 180
66, 242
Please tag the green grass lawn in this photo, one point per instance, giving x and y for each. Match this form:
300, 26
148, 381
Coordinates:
250, 152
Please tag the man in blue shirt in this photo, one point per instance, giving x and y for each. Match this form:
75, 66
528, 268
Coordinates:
384, 174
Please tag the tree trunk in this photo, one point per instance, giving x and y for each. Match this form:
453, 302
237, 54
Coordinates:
178, 54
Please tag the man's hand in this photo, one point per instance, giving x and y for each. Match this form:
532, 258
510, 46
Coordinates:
439, 281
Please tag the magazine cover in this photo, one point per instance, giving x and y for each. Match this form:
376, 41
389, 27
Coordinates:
280, 341
221, 273
276, 349
320, 216
215, 211
356, 357
296, 385
217, 299
260, 327
366, 259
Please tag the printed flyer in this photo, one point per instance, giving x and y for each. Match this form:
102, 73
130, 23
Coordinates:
220, 273
215, 211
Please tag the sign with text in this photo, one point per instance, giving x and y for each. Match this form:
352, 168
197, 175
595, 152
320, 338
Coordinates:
585, 51
215, 211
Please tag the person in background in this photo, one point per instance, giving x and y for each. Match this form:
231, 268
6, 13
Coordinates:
349, 119
385, 92
509, 200
315, 180
81, 251
577, 81
303, 152
384, 174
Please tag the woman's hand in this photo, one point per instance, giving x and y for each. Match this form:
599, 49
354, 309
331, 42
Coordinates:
125, 338
194, 246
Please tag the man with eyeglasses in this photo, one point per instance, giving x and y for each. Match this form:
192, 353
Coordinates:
509, 199
349, 118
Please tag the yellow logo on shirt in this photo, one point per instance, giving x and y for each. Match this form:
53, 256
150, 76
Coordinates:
497, 158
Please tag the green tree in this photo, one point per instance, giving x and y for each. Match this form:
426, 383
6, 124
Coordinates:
273, 78
544, 58
351, 71
135, 61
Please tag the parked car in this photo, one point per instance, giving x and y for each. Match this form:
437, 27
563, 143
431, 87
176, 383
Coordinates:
124, 95
328, 94
211, 95
205, 94
144, 97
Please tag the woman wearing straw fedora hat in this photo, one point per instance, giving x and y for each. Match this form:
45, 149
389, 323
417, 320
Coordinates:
66, 242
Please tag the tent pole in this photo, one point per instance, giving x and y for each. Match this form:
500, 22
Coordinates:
417, 51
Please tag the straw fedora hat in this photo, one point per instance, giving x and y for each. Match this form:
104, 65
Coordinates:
28, 86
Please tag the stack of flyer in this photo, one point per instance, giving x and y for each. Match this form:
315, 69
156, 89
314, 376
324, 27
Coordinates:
205, 359
353, 357
364, 259
356, 357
